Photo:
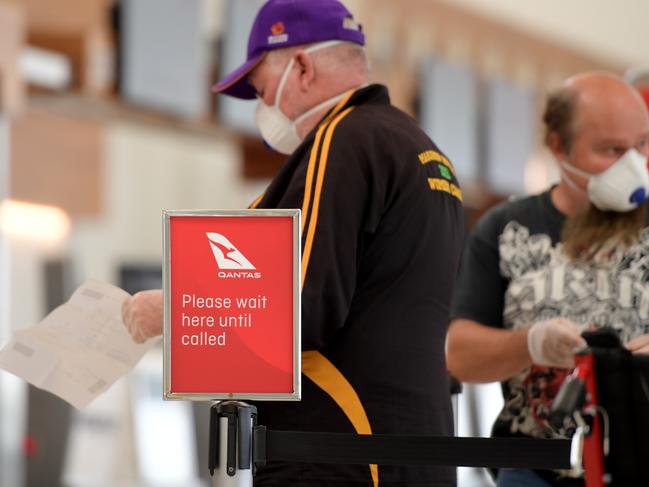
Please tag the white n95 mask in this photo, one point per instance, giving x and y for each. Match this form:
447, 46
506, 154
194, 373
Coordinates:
622, 187
279, 131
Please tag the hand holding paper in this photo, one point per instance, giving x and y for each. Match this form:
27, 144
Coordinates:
80, 349
142, 314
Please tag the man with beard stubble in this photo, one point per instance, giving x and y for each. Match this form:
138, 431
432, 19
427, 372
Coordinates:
539, 270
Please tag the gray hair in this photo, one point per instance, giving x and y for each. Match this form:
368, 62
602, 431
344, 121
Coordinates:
346, 55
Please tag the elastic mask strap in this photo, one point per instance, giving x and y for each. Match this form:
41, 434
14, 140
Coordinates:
322, 45
287, 70
282, 82
320, 106
569, 167
569, 180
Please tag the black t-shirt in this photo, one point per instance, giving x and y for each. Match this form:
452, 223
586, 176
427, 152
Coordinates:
382, 237
481, 285
514, 273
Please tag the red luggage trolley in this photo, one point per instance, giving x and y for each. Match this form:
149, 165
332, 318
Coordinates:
607, 398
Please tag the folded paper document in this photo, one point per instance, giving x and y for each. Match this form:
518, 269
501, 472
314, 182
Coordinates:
80, 349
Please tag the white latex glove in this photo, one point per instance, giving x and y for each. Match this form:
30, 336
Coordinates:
142, 315
553, 343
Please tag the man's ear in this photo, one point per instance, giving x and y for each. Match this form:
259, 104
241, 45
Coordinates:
556, 146
306, 68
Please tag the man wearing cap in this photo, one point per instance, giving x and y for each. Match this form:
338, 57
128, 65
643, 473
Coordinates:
382, 228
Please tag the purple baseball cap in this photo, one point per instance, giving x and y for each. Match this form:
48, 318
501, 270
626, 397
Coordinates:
286, 23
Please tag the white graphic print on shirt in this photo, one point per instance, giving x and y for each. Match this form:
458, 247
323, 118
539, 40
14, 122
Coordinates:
543, 284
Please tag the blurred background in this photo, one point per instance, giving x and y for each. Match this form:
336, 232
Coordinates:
106, 119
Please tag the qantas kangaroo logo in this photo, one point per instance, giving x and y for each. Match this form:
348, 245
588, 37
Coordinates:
227, 255
229, 258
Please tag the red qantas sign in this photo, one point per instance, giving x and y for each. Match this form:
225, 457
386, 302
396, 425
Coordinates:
231, 288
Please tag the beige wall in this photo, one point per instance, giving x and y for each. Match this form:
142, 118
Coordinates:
148, 169
12, 33
55, 160
63, 16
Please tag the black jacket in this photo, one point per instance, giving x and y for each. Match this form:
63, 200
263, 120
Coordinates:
382, 235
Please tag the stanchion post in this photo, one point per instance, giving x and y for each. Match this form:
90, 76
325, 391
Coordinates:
230, 443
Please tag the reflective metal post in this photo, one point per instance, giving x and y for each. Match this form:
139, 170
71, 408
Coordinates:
12, 390
230, 444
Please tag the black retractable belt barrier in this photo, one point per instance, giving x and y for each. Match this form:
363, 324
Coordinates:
340, 448
238, 445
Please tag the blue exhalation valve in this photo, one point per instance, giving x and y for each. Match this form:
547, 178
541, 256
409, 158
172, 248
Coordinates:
638, 196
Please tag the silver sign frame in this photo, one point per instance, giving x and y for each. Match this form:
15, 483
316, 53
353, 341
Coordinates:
295, 215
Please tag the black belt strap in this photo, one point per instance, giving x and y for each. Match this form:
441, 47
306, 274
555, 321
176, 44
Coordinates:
297, 446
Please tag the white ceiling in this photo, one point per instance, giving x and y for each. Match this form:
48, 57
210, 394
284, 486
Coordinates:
613, 31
